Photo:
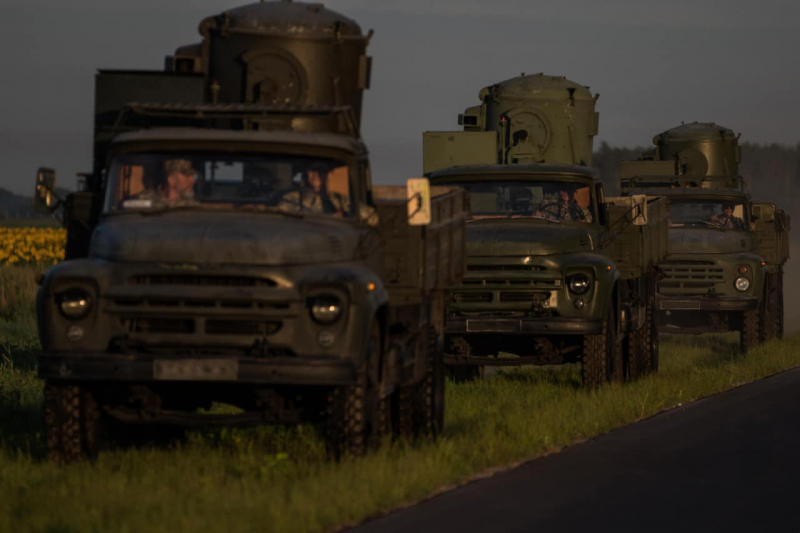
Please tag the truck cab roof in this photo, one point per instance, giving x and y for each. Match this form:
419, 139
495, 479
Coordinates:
240, 139
532, 170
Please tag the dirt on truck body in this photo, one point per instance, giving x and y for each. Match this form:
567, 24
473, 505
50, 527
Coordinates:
726, 252
556, 272
230, 248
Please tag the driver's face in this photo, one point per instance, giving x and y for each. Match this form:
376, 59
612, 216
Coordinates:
564, 195
181, 182
315, 180
728, 210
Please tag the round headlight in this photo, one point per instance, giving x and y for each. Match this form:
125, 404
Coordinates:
75, 303
579, 283
326, 309
742, 284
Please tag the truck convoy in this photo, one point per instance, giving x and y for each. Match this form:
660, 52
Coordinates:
556, 271
726, 252
229, 247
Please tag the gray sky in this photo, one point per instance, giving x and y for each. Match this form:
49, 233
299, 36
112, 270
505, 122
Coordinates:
654, 63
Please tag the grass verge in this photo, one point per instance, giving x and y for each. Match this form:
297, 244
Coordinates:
273, 479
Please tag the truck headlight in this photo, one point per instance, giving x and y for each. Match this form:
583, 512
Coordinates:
742, 283
579, 283
326, 309
74, 303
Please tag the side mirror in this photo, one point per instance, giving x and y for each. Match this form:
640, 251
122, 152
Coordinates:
763, 212
368, 215
418, 193
603, 215
44, 197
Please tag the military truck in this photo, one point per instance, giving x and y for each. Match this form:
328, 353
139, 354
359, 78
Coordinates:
229, 247
556, 271
726, 252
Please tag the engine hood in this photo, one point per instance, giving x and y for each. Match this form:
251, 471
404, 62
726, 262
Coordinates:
708, 241
526, 237
223, 239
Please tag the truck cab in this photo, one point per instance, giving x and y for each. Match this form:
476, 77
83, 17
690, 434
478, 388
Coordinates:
725, 266
233, 249
556, 272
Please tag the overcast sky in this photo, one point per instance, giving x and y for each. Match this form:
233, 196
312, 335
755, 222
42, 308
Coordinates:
655, 64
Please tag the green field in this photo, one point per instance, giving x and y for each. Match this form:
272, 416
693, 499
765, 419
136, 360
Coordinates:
272, 479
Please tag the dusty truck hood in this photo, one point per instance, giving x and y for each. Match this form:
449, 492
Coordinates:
708, 241
223, 238
527, 237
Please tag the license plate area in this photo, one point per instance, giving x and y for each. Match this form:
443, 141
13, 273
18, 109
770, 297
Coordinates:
493, 326
196, 369
687, 305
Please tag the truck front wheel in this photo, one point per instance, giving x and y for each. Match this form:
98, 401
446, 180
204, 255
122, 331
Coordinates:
645, 360
598, 354
420, 407
749, 337
72, 421
772, 317
356, 417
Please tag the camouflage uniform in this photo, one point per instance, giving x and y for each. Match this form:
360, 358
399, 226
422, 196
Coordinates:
730, 222
306, 199
557, 209
157, 200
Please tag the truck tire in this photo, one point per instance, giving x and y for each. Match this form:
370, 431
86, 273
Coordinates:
597, 355
749, 337
781, 317
772, 316
356, 417
650, 338
71, 418
420, 407
617, 369
635, 354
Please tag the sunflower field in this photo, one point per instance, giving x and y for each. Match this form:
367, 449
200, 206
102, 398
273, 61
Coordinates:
31, 246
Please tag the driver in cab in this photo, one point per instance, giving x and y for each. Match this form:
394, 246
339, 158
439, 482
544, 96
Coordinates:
313, 194
727, 220
172, 188
563, 206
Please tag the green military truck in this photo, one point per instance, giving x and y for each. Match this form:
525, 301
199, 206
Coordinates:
556, 272
726, 252
229, 247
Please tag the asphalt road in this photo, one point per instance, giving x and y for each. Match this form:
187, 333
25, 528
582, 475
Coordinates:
726, 463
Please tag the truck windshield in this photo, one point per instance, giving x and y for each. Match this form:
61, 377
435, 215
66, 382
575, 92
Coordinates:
699, 213
156, 181
550, 200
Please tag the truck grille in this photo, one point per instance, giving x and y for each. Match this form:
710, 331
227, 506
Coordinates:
506, 268
534, 297
538, 283
174, 326
188, 326
174, 303
690, 278
472, 297
201, 280
241, 327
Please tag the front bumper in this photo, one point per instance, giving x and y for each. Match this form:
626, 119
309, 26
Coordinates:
523, 326
164, 369
707, 303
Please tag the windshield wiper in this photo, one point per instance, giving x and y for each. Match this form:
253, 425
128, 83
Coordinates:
706, 223
263, 209
164, 209
553, 220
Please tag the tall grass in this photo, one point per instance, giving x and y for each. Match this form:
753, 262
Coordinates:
278, 479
